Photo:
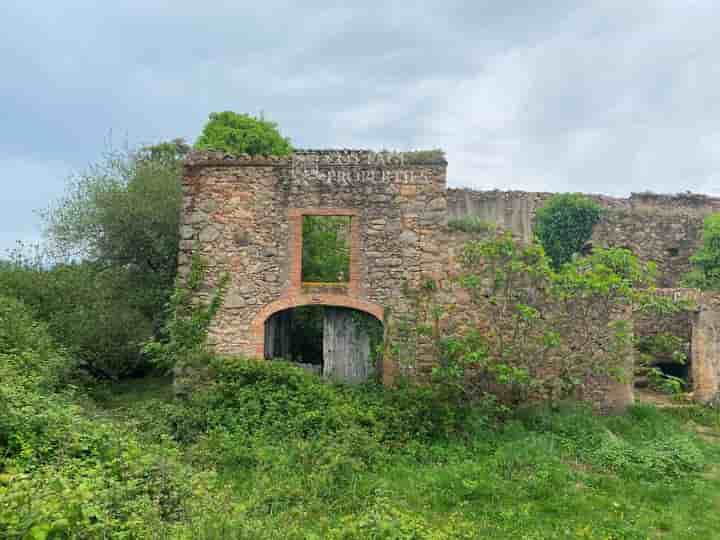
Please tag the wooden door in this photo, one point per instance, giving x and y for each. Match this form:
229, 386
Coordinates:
346, 347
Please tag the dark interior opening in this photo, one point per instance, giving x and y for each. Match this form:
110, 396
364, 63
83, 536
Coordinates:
340, 343
663, 363
673, 369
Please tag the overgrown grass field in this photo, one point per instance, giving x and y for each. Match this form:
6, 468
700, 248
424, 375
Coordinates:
535, 474
269, 451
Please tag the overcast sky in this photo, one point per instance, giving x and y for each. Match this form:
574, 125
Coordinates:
599, 96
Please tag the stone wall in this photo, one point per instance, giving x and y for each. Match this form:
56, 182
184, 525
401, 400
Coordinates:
244, 215
585, 329
666, 229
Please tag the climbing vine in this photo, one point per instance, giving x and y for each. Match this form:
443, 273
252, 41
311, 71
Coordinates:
564, 224
183, 338
705, 273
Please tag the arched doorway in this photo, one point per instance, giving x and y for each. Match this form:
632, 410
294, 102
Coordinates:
337, 342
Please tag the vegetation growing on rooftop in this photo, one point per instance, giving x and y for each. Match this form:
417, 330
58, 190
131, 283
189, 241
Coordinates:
235, 133
423, 156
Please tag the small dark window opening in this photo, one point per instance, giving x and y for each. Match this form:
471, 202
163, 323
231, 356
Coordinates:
587, 249
673, 251
326, 249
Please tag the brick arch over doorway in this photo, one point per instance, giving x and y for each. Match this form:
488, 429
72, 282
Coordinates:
257, 327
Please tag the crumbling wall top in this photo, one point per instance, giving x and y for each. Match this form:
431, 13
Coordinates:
325, 157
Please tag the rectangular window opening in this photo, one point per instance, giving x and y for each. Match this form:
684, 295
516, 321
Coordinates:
326, 249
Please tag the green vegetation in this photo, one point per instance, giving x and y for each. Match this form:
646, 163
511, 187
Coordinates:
420, 157
268, 451
114, 239
705, 273
242, 134
471, 224
564, 224
183, 338
326, 249
665, 348
533, 316
263, 450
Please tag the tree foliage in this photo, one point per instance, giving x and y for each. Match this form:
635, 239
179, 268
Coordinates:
93, 311
235, 133
326, 249
124, 213
572, 322
113, 241
564, 224
705, 273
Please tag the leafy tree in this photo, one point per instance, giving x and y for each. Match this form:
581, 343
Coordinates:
242, 134
124, 213
706, 262
113, 240
564, 224
534, 319
87, 308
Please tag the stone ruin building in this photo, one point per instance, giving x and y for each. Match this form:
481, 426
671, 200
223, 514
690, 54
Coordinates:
245, 214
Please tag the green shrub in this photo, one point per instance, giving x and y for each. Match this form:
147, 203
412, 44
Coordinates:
326, 250
642, 444
182, 339
275, 401
242, 134
564, 224
88, 309
64, 474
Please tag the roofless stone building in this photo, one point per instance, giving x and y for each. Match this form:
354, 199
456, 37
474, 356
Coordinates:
245, 215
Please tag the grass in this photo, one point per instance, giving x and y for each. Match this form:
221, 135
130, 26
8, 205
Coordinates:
538, 475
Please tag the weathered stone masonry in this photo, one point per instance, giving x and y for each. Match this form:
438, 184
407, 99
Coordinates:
664, 229
244, 215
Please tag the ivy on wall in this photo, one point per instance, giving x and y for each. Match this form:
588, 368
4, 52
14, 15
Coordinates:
564, 224
705, 273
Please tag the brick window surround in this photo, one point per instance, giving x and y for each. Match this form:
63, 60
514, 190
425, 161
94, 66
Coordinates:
295, 295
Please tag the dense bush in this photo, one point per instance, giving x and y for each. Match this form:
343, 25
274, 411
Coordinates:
235, 133
326, 249
543, 333
89, 309
64, 474
113, 241
277, 401
182, 339
564, 224
301, 458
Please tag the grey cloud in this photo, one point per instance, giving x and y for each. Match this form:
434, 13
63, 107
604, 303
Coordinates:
603, 96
